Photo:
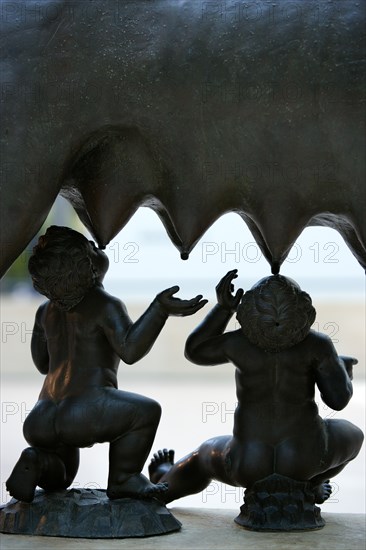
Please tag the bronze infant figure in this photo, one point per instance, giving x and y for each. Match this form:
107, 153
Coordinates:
278, 434
80, 335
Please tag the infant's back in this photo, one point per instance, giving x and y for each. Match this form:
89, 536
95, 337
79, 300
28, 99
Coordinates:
80, 356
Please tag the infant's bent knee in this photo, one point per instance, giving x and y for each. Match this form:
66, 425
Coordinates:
152, 411
38, 427
359, 438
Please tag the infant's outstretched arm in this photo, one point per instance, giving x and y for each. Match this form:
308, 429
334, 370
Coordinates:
132, 341
39, 343
332, 376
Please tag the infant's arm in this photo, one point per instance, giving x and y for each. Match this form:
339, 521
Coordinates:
39, 348
207, 345
132, 341
331, 375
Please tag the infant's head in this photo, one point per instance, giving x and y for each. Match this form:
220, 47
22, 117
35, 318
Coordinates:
63, 266
276, 314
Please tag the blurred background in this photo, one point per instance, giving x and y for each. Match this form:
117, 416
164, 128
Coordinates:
198, 402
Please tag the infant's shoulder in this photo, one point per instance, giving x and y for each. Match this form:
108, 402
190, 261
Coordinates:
318, 339
319, 344
106, 302
235, 342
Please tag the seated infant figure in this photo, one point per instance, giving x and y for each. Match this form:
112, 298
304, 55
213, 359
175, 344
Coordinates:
278, 362
80, 335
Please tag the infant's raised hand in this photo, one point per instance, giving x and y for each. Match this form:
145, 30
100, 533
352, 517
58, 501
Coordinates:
176, 306
224, 291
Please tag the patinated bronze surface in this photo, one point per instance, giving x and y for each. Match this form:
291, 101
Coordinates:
86, 513
79, 337
191, 108
281, 450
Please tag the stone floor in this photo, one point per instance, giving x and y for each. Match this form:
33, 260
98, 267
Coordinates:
210, 529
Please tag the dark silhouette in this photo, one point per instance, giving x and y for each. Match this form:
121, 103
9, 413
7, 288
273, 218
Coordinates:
79, 337
191, 108
277, 429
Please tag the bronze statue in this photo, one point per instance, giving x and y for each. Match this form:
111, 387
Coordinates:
79, 337
277, 429
193, 109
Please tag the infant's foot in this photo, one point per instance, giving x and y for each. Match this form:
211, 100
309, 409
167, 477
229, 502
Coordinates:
160, 464
322, 492
25, 476
136, 486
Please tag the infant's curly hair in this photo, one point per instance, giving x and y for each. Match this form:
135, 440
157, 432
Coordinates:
61, 267
276, 314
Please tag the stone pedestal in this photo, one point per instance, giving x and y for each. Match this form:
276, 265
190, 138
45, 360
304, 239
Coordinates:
278, 503
86, 513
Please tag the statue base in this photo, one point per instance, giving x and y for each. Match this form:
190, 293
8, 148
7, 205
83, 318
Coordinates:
86, 513
278, 503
